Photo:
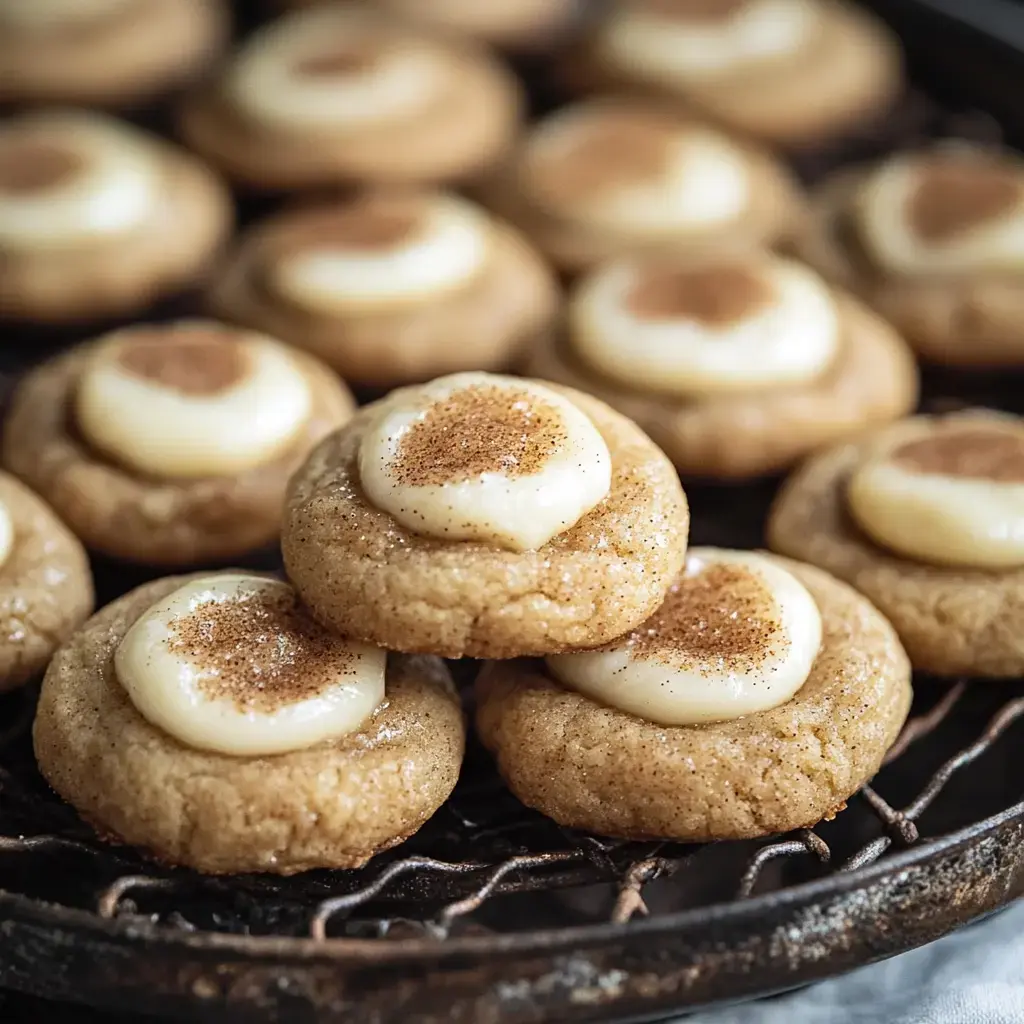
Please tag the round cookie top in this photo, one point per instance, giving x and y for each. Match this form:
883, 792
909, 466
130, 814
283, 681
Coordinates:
634, 170
233, 664
721, 325
70, 178
948, 210
947, 492
338, 69
191, 399
502, 22
737, 634
481, 457
381, 251
682, 42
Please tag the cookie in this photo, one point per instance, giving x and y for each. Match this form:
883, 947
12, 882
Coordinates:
334, 95
735, 365
171, 444
934, 240
46, 588
767, 721
391, 286
517, 25
484, 516
210, 722
116, 53
924, 518
99, 219
609, 177
796, 74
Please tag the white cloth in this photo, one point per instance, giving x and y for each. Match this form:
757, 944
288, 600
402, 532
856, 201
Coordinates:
974, 976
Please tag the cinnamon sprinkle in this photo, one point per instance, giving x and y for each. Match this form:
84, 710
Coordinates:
477, 430
260, 651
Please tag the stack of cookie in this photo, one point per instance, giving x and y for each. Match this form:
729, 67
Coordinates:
238, 722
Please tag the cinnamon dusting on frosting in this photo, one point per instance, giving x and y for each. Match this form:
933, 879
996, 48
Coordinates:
695, 10
479, 430
260, 651
197, 361
713, 295
955, 195
35, 165
343, 59
972, 452
365, 224
721, 616
618, 148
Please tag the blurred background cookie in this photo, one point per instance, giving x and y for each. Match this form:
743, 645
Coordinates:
99, 219
926, 518
791, 73
610, 176
149, 725
934, 240
735, 365
118, 53
334, 95
46, 588
171, 444
391, 287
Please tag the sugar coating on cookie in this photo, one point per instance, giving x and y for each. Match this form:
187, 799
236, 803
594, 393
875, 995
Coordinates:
636, 171
951, 496
737, 634
382, 252
70, 177
336, 68
952, 210
233, 664
191, 399
483, 457
679, 42
720, 326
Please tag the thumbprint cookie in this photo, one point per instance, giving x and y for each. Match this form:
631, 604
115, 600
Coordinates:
391, 287
171, 444
934, 240
209, 721
926, 518
46, 589
109, 53
608, 177
485, 516
792, 73
341, 94
757, 699
735, 365
99, 219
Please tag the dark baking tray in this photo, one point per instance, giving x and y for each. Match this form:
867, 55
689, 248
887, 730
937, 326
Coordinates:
493, 915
